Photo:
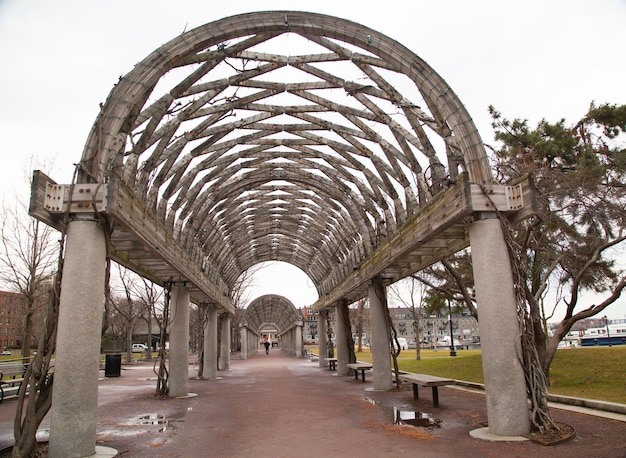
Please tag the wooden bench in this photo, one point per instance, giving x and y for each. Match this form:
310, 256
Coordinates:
332, 363
11, 375
359, 366
426, 380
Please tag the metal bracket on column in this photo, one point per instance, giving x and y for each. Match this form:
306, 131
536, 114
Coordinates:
496, 197
514, 197
84, 198
517, 201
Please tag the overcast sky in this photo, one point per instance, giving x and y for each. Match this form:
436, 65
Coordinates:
531, 59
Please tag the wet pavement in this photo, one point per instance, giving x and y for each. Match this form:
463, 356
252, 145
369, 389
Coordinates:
280, 406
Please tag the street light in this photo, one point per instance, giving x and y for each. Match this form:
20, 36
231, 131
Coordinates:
608, 334
433, 338
452, 351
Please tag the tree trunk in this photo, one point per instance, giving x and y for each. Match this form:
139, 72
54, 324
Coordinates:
329, 337
32, 410
203, 322
359, 331
546, 355
149, 350
220, 321
27, 330
162, 387
344, 311
418, 340
129, 343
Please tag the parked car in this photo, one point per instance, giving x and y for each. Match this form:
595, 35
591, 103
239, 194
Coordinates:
6, 353
139, 348
445, 342
401, 342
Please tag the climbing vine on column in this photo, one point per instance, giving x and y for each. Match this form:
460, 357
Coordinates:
536, 380
395, 348
162, 373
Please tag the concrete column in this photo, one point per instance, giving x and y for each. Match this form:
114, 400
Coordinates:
299, 344
292, 340
380, 339
179, 342
210, 344
343, 355
75, 394
507, 408
287, 341
225, 344
253, 342
321, 335
244, 341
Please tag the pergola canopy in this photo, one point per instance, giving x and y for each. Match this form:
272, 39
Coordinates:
279, 135
271, 309
284, 136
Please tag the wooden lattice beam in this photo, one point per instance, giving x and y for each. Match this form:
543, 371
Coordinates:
282, 136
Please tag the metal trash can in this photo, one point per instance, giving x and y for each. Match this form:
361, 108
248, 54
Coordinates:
112, 365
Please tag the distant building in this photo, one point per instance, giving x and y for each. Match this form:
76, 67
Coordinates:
431, 328
11, 316
310, 319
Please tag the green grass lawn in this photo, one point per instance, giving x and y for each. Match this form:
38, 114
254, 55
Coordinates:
595, 373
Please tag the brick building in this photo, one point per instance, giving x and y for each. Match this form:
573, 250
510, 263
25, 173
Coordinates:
431, 328
11, 315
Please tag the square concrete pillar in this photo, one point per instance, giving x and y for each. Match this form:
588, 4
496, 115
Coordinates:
505, 385
179, 342
75, 393
380, 338
210, 343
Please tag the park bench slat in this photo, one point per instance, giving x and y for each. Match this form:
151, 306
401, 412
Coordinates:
14, 370
359, 366
428, 381
332, 363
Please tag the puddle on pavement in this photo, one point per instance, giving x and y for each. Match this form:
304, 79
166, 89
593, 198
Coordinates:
404, 416
146, 423
414, 418
152, 419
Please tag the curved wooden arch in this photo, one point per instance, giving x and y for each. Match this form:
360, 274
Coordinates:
271, 308
281, 135
286, 136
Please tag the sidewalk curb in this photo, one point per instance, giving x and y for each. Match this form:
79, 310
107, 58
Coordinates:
594, 404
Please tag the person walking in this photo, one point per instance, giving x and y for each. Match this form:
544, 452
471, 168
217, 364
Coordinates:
267, 347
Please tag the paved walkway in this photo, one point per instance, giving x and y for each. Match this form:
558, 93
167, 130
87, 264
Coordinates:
279, 406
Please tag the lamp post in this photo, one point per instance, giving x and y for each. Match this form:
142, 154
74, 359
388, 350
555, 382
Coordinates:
433, 339
452, 351
608, 334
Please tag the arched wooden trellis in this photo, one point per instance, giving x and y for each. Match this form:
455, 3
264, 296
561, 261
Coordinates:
279, 313
271, 309
283, 136
286, 136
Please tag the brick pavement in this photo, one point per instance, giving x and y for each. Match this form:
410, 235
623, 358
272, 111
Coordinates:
276, 405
